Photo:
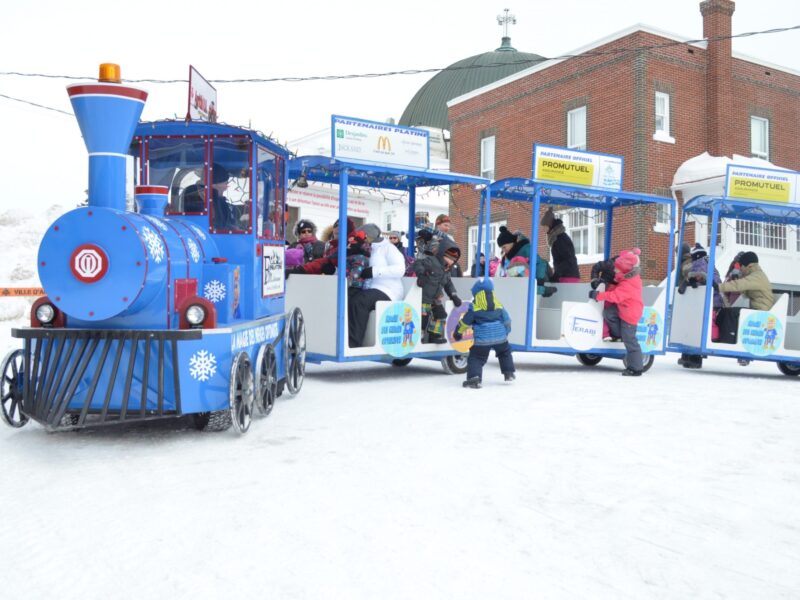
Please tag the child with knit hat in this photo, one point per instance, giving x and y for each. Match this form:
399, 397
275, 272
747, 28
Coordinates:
491, 325
433, 276
623, 315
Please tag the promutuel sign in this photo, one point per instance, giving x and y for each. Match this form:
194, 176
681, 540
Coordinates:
754, 183
575, 167
383, 143
202, 98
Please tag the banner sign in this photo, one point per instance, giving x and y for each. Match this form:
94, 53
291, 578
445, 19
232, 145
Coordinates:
582, 325
576, 167
399, 329
21, 291
202, 98
383, 143
760, 332
273, 278
754, 183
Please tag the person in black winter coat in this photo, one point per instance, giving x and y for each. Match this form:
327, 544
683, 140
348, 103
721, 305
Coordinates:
565, 263
305, 231
433, 276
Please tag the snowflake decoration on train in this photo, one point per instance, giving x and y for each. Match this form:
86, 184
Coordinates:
153, 244
160, 224
202, 365
198, 231
193, 250
214, 291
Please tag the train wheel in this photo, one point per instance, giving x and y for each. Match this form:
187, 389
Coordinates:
455, 364
401, 362
11, 389
588, 360
219, 420
241, 394
295, 351
266, 379
791, 369
649, 359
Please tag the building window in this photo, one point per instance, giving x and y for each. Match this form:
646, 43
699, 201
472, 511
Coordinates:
587, 229
761, 235
487, 157
759, 137
576, 129
662, 118
472, 242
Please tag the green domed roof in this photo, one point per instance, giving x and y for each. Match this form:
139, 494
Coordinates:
428, 107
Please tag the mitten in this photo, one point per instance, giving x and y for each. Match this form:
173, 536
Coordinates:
693, 283
457, 335
366, 273
456, 301
328, 268
593, 294
438, 312
682, 287
549, 291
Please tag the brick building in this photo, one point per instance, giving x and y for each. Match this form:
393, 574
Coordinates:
647, 95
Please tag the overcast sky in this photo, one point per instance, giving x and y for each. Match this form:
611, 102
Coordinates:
42, 155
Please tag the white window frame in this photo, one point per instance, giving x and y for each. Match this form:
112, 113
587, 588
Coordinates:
661, 112
488, 145
759, 137
472, 243
662, 218
772, 236
576, 128
592, 229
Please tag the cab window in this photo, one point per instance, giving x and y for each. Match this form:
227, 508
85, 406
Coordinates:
270, 195
230, 185
179, 164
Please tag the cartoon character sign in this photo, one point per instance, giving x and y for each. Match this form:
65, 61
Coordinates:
236, 293
650, 329
463, 345
408, 327
760, 332
398, 332
770, 334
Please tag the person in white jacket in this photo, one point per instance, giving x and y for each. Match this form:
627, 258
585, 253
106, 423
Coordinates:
384, 277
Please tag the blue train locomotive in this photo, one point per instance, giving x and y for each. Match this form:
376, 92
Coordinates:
174, 308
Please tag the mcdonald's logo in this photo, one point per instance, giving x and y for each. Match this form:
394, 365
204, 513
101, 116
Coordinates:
384, 145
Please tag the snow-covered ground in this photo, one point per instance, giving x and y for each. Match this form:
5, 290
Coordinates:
379, 482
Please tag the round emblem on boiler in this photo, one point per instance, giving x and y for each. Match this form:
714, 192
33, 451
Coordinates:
88, 263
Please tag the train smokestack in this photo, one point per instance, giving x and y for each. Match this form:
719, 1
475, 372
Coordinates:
107, 113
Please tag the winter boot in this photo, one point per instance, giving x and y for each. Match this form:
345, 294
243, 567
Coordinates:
435, 338
743, 362
509, 376
472, 382
631, 373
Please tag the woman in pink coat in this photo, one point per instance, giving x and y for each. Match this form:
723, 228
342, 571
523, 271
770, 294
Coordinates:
623, 315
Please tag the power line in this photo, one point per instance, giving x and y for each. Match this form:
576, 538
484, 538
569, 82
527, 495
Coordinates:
58, 110
609, 52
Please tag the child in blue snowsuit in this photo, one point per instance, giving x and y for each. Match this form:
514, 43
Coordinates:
490, 326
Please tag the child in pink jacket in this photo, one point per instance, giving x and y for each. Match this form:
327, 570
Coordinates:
623, 315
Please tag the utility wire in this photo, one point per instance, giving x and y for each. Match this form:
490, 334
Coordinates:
58, 110
609, 52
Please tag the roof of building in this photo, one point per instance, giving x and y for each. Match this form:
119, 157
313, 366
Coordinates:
428, 107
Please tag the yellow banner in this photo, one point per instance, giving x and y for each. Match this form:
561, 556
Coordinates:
18, 291
565, 171
759, 189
